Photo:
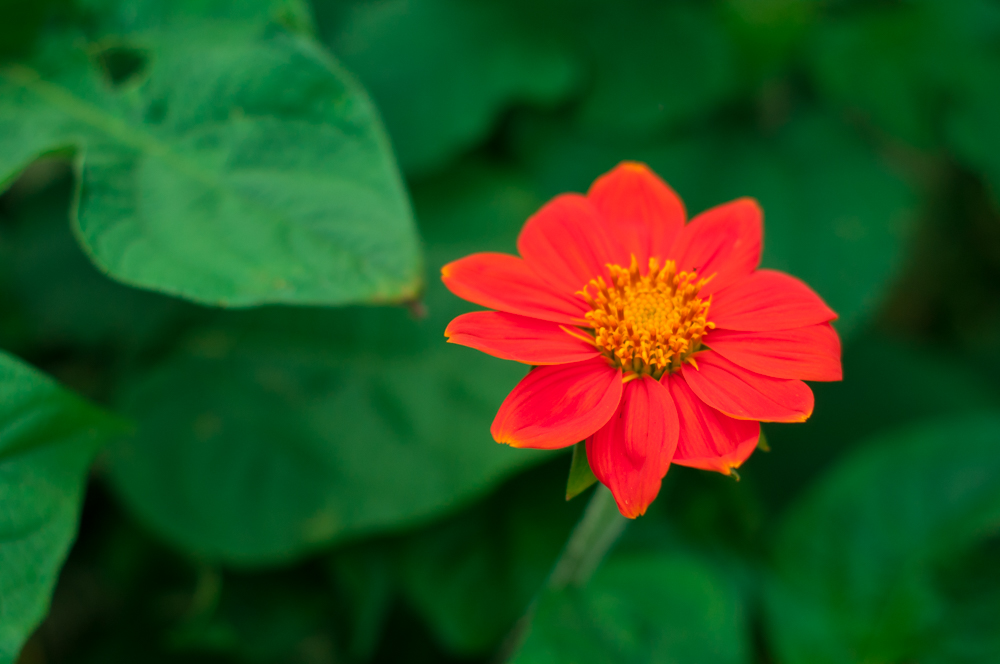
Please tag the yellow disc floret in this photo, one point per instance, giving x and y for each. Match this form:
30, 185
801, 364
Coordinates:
648, 324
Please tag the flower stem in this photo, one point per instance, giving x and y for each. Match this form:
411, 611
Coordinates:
599, 528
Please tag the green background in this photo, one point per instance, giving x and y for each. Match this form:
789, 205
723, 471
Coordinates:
231, 430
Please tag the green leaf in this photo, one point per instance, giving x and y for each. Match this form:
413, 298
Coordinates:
267, 434
581, 477
47, 440
641, 608
443, 71
856, 559
231, 162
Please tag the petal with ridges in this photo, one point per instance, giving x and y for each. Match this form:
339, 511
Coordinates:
504, 282
709, 439
806, 353
744, 394
558, 406
724, 241
566, 243
640, 209
768, 300
632, 452
519, 338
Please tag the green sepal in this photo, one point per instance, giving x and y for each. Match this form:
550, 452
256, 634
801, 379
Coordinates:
762, 444
580, 474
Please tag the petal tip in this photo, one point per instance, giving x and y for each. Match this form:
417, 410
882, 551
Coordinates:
503, 440
630, 512
635, 166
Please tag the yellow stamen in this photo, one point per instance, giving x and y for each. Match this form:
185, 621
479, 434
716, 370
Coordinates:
648, 324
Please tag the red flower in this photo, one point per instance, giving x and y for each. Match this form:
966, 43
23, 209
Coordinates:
655, 341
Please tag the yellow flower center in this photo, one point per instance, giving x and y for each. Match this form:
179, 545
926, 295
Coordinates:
648, 324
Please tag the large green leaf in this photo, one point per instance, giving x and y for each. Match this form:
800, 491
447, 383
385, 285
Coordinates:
443, 71
856, 560
226, 161
641, 608
834, 214
270, 433
47, 440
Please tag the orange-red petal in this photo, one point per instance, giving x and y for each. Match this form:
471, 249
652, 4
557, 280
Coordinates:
566, 243
724, 241
504, 282
768, 300
557, 406
519, 338
632, 452
709, 439
640, 209
744, 394
806, 353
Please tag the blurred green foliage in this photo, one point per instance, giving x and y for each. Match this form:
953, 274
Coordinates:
318, 485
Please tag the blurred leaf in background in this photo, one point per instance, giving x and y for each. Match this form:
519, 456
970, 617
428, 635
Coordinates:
443, 71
